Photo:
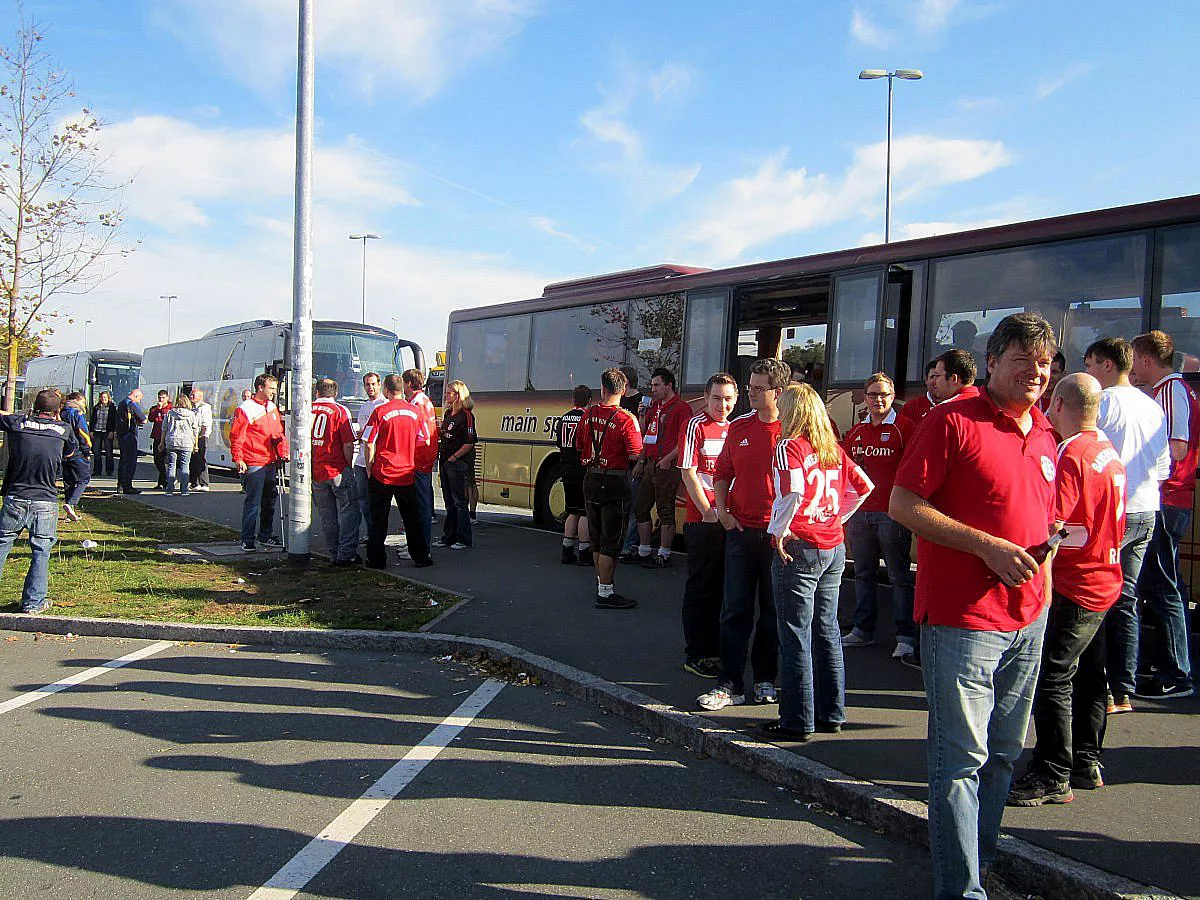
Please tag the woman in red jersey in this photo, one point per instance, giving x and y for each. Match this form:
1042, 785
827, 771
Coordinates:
817, 486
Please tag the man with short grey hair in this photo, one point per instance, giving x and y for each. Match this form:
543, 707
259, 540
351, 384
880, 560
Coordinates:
198, 467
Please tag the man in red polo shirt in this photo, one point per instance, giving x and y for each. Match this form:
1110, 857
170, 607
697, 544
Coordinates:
976, 486
1072, 692
332, 485
1160, 583
607, 438
953, 377
396, 438
914, 410
744, 489
657, 470
700, 443
876, 444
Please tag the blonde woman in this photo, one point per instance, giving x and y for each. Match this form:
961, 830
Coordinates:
817, 487
181, 430
456, 447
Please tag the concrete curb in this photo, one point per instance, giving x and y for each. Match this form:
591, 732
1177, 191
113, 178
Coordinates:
1024, 866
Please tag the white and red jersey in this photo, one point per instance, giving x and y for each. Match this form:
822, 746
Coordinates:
745, 465
877, 449
1090, 500
663, 422
256, 434
811, 501
700, 443
397, 431
428, 453
1179, 405
331, 431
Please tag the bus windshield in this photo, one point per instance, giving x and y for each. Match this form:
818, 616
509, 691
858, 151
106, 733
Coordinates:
117, 379
346, 357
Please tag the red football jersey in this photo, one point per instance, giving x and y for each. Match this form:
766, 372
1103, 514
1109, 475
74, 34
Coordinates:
1178, 402
331, 431
1090, 500
745, 465
397, 429
608, 437
877, 449
428, 453
914, 410
700, 442
812, 499
663, 422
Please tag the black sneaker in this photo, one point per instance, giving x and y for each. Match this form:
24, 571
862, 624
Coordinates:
1087, 777
1154, 689
1036, 789
631, 557
348, 563
131, 490
776, 731
911, 660
615, 601
248, 548
656, 561
569, 557
273, 543
584, 557
829, 727
705, 667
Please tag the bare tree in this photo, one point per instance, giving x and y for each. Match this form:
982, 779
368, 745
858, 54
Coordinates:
59, 216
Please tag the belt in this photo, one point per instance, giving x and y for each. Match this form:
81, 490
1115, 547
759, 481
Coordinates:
597, 470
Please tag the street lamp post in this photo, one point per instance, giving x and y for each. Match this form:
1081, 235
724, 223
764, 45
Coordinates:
889, 74
86, 323
364, 238
168, 298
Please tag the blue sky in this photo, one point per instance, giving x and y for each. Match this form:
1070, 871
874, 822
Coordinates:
499, 145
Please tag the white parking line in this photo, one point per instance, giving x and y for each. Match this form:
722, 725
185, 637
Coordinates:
320, 851
81, 677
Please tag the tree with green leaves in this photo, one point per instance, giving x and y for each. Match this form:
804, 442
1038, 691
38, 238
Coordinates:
60, 217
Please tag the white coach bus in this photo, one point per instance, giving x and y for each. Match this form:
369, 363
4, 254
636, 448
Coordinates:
88, 371
226, 361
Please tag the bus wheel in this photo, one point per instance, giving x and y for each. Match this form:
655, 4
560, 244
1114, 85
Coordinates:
550, 499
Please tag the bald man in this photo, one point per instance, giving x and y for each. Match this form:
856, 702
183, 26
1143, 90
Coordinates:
1071, 696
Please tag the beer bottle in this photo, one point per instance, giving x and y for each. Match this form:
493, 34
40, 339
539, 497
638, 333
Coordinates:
1040, 551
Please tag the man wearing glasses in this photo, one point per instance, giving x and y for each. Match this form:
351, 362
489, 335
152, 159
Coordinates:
875, 444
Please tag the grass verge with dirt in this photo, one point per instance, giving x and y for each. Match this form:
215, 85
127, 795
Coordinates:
130, 575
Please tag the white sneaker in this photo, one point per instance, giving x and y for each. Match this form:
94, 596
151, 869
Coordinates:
764, 692
202, 488
460, 546
904, 647
855, 638
70, 513
719, 698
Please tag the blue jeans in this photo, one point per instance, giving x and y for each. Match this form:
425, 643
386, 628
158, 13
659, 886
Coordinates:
812, 674
980, 687
178, 463
870, 534
1121, 624
424, 483
258, 509
76, 473
337, 508
457, 527
1162, 587
41, 518
748, 556
129, 456
361, 482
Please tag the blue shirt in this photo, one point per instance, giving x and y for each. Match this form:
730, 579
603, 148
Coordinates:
36, 448
130, 417
79, 426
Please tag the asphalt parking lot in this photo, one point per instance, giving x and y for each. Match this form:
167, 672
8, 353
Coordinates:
231, 771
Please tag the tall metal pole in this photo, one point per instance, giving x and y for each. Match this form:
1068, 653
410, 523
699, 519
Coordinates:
887, 195
298, 526
86, 323
170, 298
364, 281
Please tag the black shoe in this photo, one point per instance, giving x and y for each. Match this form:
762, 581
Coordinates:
615, 601
131, 490
423, 564
1160, 690
273, 543
1087, 777
474, 518
569, 557
829, 727
380, 565
632, 557
775, 731
347, 563
584, 557
656, 561
705, 667
1036, 789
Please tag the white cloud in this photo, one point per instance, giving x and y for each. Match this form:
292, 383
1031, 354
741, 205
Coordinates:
925, 18
417, 45
866, 32
1050, 84
775, 201
934, 15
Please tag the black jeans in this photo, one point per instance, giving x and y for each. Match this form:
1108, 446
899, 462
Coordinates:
380, 496
160, 462
704, 589
198, 466
455, 475
128, 443
105, 462
748, 556
1069, 705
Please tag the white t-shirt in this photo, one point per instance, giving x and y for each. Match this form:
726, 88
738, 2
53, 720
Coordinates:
364, 414
1135, 424
204, 419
